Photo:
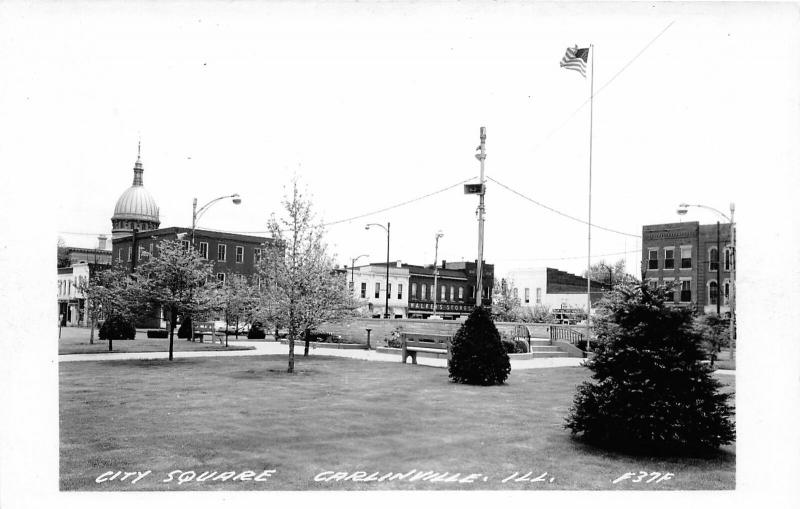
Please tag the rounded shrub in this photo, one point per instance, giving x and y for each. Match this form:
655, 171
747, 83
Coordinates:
256, 331
651, 393
117, 327
478, 356
185, 330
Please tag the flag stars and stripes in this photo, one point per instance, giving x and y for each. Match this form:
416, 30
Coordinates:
575, 59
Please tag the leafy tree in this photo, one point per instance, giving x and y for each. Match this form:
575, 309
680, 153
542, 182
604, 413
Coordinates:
505, 305
651, 393
236, 299
176, 279
301, 287
109, 295
478, 356
715, 333
539, 313
610, 273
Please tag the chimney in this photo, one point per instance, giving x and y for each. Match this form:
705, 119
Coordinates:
444, 264
101, 242
399, 264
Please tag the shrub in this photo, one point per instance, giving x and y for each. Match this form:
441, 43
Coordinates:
256, 331
715, 333
117, 327
478, 356
508, 345
522, 346
581, 343
650, 394
185, 330
158, 334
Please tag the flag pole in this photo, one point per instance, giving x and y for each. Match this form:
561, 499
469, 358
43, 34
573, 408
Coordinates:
589, 249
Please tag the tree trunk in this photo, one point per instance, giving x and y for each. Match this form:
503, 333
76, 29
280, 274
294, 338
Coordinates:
173, 318
91, 331
306, 334
291, 352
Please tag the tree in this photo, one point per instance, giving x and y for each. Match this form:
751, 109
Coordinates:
715, 333
505, 304
176, 279
610, 273
236, 299
62, 256
108, 295
651, 393
299, 282
477, 355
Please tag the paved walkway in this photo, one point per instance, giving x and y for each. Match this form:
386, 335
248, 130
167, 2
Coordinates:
271, 348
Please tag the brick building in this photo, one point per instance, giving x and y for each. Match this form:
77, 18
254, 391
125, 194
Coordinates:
411, 289
551, 288
686, 254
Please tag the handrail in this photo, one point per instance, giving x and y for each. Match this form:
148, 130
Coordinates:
565, 333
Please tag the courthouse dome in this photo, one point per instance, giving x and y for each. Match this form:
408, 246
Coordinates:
136, 208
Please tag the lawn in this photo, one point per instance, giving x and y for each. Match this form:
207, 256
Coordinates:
76, 341
337, 415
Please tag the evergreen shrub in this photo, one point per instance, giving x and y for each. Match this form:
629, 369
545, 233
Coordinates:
651, 393
185, 330
117, 327
256, 331
478, 356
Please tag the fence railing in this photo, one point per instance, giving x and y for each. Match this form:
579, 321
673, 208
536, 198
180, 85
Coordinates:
565, 334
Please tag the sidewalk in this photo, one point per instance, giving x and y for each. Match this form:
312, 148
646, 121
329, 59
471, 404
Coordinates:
270, 348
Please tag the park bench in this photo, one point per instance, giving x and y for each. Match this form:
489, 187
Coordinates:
203, 329
428, 343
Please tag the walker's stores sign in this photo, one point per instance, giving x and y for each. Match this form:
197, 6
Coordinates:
668, 234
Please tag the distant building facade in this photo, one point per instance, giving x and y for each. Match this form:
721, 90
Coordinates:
688, 256
412, 289
551, 288
72, 308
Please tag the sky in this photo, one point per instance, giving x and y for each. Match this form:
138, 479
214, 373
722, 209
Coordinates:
372, 105
375, 104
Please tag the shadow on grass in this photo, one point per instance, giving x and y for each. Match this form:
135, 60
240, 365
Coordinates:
690, 458
263, 374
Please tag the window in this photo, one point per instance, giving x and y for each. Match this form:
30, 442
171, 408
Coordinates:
141, 252
669, 258
452, 293
713, 259
222, 251
204, 250
527, 295
670, 292
728, 260
185, 245
727, 288
239, 254
256, 255
460, 293
713, 290
686, 291
130, 251
686, 257
538, 295
652, 283
363, 290
424, 291
377, 290
443, 293
652, 258
400, 291
516, 293
221, 277
119, 255
414, 290
389, 290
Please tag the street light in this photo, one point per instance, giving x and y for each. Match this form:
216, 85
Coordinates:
682, 210
387, 228
353, 269
197, 213
439, 235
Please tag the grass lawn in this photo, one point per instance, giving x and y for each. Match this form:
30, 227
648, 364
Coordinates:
337, 415
76, 340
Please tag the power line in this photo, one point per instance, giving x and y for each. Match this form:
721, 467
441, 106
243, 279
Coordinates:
571, 257
551, 209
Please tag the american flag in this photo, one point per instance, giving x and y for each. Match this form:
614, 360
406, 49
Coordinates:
575, 59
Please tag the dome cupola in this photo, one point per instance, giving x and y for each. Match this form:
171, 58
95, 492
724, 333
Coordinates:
136, 209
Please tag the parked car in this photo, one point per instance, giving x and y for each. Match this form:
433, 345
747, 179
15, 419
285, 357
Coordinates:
241, 328
324, 337
220, 326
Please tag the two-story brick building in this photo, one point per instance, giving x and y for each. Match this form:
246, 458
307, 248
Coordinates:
687, 255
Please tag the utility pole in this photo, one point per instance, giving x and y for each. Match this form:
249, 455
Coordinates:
719, 273
439, 235
481, 156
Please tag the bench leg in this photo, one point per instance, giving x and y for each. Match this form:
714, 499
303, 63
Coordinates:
413, 357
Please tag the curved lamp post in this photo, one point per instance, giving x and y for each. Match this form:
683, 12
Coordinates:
196, 213
387, 228
353, 270
439, 235
682, 209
